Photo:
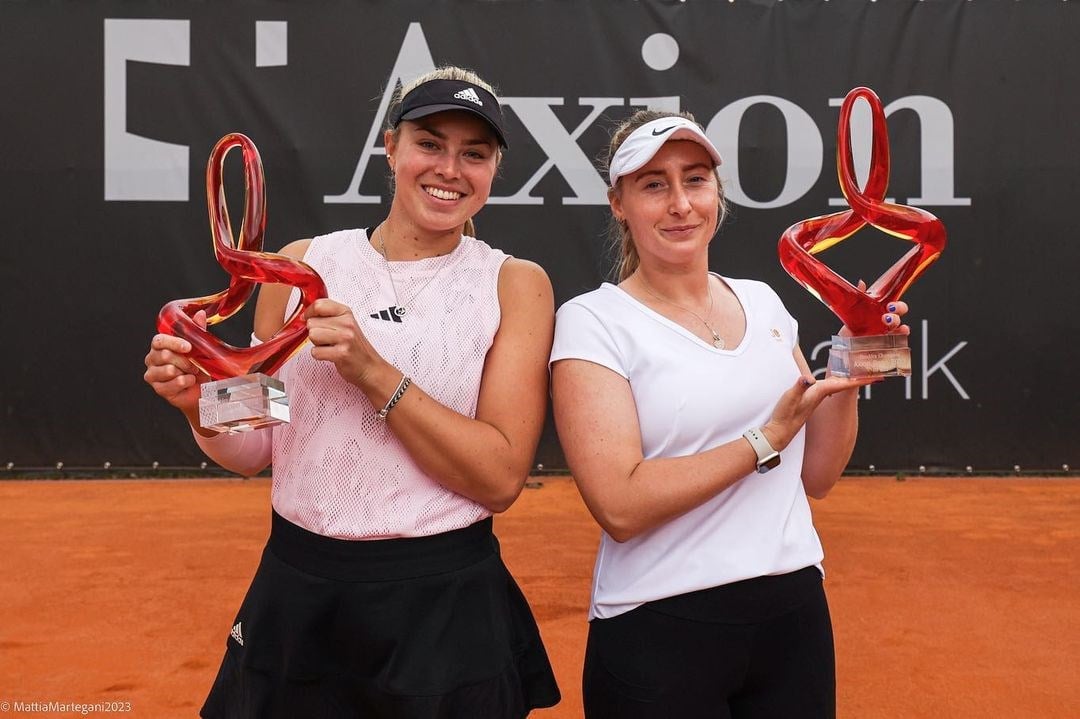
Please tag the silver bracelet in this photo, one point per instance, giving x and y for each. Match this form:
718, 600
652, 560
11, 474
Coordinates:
402, 386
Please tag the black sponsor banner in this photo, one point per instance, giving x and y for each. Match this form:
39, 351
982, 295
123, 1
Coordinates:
110, 110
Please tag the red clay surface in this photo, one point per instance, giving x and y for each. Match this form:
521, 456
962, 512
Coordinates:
950, 597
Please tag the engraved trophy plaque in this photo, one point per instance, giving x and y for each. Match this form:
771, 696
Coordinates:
868, 351
242, 396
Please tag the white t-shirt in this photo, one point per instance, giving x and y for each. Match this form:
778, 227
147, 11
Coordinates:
691, 397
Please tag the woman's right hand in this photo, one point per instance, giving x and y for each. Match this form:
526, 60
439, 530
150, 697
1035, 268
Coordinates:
171, 374
797, 404
336, 337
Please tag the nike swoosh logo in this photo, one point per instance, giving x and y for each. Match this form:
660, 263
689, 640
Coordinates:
661, 132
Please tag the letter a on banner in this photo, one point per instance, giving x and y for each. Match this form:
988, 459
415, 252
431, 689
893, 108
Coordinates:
413, 60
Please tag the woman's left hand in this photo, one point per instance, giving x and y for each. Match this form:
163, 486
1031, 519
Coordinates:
891, 321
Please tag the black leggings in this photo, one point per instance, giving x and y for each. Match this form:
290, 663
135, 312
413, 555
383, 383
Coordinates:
753, 649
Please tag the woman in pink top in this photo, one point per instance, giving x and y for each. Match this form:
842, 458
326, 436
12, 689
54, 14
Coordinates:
415, 417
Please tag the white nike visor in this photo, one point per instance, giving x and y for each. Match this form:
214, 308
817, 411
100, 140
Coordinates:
643, 143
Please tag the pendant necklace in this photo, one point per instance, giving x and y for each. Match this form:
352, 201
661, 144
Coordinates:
399, 306
717, 340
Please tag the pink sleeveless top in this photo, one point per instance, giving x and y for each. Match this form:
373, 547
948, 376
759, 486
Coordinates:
338, 471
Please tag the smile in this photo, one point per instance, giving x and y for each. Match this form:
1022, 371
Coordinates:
442, 194
679, 229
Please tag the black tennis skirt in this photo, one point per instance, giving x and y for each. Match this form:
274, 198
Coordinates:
424, 628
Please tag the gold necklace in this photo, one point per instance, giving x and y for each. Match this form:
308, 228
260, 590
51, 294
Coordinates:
717, 340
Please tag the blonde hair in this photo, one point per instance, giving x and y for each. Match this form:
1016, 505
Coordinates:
619, 230
446, 72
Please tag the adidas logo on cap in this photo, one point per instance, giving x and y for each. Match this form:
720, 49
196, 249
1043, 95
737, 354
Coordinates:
470, 95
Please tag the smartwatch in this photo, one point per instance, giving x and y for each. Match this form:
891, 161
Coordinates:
767, 457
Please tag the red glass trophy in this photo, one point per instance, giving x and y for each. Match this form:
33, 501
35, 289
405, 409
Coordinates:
867, 352
242, 396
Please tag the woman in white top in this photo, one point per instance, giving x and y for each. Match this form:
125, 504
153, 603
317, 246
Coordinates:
415, 417
695, 432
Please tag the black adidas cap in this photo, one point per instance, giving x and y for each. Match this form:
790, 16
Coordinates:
441, 95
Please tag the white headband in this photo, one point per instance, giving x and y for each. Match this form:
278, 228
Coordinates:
644, 142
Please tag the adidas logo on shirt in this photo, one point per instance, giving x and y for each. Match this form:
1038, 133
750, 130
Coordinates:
237, 634
388, 314
470, 95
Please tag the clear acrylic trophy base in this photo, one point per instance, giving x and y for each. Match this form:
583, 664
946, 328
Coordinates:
871, 356
241, 404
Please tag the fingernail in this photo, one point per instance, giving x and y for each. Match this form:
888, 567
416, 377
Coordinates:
806, 382
891, 308
888, 320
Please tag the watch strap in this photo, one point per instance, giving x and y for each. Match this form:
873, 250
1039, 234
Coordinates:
767, 456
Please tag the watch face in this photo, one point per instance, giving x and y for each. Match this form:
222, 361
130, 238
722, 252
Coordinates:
767, 456
769, 463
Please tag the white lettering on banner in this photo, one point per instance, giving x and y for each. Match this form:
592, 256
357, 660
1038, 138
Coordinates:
562, 151
666, 103
938, 366
271, 43
139, 168
821, 350
414, 59
936, 153
936, 156
804, 147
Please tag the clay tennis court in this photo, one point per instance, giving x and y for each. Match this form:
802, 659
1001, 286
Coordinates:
950, 597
